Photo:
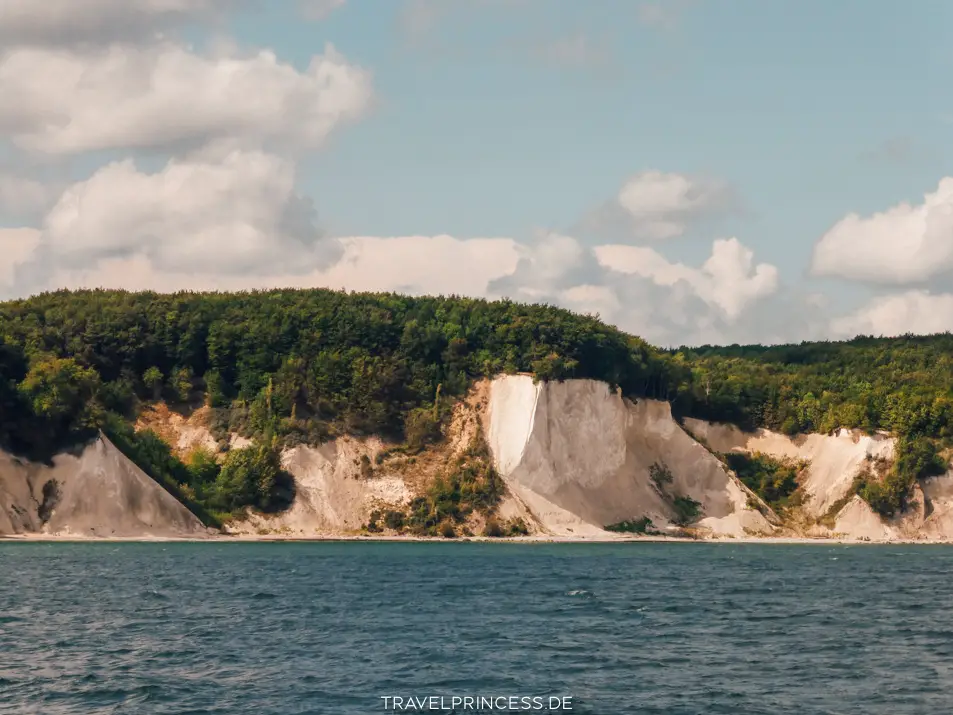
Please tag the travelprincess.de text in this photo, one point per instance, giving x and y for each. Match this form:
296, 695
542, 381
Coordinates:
477, 703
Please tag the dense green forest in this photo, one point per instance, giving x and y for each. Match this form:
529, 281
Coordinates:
305, 365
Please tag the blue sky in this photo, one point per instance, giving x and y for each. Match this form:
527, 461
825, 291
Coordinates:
519, 120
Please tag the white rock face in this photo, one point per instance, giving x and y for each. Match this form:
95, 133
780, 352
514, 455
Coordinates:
578, 455
930, 517
98, 493
857, 520
331, 495
833, 460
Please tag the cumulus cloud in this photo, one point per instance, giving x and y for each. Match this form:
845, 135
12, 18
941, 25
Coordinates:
728, 280
918, 312
162, 96
24, 22
663, 204
905, 244
238, 213
641, 291
547, 266
409, 264
655, 205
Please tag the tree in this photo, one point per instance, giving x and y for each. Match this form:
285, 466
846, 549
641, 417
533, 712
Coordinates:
63, 393
152, 379
252, 477
182, 383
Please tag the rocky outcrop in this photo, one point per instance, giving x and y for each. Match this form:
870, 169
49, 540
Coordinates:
581, 457
336, 489
832, 460
97, 492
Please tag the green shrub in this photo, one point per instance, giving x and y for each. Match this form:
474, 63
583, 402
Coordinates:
661, 475
632, 526
470, 484
771, 479
421, 427
253, 477
687, 510
517, 527
916, 459
394, 519
493, 528
372, 524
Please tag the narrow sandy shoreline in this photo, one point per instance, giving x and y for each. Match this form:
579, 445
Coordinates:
229, 539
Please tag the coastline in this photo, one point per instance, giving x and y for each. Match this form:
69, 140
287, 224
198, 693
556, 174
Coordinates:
348, 538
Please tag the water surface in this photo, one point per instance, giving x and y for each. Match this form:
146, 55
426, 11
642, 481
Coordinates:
329, 628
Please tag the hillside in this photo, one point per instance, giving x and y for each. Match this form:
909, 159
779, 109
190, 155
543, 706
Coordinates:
284, 394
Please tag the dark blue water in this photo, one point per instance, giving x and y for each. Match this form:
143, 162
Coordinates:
330, 628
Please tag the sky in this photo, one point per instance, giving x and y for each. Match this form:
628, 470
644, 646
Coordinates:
691, 171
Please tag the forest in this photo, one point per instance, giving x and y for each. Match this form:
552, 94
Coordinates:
302, 366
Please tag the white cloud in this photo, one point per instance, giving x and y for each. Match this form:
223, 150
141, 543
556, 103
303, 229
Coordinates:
63, 101
728, 280
422, 264
918, 312
663, 204
408, 264
905, 244
656, 205
550, 263
318, 10
639, 290
16, 247
70, 21
593, 300
238, 213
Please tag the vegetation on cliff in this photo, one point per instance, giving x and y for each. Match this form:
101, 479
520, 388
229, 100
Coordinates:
292, 366
774, 480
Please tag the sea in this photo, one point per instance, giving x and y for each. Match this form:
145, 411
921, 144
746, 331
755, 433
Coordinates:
333, 628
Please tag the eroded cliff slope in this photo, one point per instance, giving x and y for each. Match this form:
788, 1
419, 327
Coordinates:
97, 492
575, 457
581, 457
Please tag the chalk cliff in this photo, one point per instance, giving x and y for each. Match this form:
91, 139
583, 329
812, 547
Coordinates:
575, 457
98, 492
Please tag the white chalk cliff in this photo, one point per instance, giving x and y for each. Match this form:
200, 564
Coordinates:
97, 493
575, 455
579, 455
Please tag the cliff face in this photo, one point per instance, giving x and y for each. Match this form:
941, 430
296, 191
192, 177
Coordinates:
574, 455
833, 461
581, 457
97, 493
